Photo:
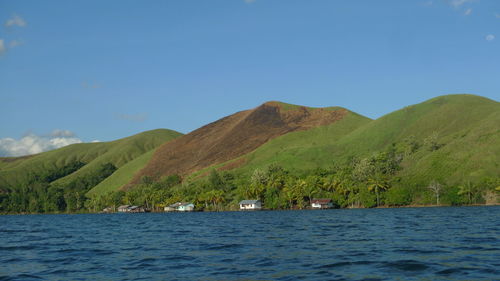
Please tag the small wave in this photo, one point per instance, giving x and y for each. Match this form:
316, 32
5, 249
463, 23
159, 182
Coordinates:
11, 231
224, 247
24, 276
407, 265
231, 272
177, 258
67, 250
480, 239
101, 252
490, 271
61, 271
265, 262
15, 248
62, 260
140, 263
11, 260
455, 270
417, 251
345, 263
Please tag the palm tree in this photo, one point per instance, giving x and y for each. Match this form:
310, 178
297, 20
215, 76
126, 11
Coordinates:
289, 195
300, 192
215, 197
311, 187
331, 183
467, 190
377, 183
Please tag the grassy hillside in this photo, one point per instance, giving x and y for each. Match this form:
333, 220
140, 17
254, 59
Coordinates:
469, 154
466, 128
452, 141
296, 151
118, 153
233, 136
123, 175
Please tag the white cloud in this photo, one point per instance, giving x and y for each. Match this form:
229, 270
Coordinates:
2, 47
62, 133
468, 12
490, 37
15, 21
32, 144
94, 141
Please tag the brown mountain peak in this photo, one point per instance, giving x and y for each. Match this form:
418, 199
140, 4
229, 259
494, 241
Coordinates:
234, 136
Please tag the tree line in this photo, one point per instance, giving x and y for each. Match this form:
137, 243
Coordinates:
40, 193
359, 182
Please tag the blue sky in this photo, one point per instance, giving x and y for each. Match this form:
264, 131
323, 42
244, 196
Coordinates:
102, 70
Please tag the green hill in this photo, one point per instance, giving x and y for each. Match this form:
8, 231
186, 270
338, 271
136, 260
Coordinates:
15, 172
296, 151
122, 176
272, 152
465, 127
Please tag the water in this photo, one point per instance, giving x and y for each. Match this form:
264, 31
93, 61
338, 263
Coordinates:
366, 244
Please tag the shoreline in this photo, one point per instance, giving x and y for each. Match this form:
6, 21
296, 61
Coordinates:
267, 210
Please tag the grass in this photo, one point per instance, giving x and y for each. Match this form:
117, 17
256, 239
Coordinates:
468, 128
117, 152
122, 176
297, 150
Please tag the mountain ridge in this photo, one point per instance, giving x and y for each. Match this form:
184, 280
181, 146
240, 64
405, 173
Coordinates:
235, 135
298, 138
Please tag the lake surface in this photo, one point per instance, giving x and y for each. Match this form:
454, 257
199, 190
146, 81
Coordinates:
364, 244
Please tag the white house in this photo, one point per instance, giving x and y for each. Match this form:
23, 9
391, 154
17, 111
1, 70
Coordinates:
180, 207
250, 205
123, 208
185, 207
321, 204
132, 209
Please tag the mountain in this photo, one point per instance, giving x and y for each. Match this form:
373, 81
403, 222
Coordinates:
237, 135
465, 127
17, 171
452, 140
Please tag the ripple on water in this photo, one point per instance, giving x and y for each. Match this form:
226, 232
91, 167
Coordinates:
24, 277
453, 271
223, 247
406, 265
18, 248
287, 245
345, 263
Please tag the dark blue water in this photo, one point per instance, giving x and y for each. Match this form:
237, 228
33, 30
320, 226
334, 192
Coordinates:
365, 244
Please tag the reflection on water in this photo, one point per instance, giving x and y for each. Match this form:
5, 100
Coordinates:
366, 244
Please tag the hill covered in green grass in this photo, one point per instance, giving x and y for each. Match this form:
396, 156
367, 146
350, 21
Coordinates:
280, 153
464, 129
18, 171
122, 176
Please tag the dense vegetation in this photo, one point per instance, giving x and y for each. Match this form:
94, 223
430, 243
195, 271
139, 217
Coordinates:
444, 151
38, 195
119, 152
359, 182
